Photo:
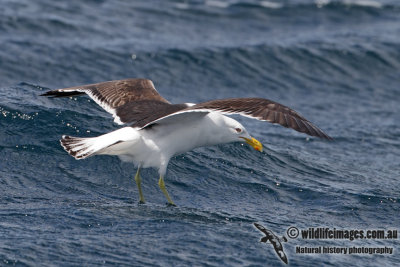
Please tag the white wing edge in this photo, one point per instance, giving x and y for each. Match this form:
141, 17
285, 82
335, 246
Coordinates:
203, 111
102, 104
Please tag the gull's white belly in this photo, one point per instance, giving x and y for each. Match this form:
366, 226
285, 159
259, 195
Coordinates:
153, 147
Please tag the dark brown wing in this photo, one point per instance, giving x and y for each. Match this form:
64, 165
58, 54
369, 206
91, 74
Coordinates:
114, 94
265, 110
140, 113
257, 108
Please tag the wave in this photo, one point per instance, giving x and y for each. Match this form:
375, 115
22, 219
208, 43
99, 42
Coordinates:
280, 5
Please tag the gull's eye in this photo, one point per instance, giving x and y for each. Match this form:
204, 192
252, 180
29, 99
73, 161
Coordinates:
238, 130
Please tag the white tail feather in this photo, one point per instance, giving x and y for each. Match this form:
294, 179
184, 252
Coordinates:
81, 148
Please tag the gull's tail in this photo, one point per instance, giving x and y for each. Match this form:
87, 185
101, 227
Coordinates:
81, 148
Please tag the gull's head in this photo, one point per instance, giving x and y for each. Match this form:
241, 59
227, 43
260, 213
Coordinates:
239, 133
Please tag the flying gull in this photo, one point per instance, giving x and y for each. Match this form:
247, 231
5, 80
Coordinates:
156, 130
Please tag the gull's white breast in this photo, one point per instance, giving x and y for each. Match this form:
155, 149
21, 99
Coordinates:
154, 146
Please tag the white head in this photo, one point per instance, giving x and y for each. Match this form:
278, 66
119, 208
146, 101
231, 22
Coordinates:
230, 130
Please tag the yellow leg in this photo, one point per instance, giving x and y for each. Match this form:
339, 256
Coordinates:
161, 184
138, 183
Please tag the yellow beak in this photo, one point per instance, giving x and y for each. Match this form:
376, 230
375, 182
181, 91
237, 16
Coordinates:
254, 143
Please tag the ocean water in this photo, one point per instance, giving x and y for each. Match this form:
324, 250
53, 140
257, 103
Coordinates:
335, 62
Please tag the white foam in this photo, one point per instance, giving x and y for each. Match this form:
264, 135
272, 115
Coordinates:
366, 3
220, 4
322, 3
269, 4
182, 6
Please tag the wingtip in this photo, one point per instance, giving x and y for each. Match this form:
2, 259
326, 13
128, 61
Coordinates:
46, 94
325, 136
317, 132
52, 93
330, 138
61, 93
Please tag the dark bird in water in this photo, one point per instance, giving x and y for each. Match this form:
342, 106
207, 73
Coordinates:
274, 240
157, 130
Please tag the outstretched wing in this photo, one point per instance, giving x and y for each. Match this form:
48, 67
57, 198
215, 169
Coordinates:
261, 228
256, 108
281, 254
112, 95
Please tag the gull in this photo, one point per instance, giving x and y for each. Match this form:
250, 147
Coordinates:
156, 130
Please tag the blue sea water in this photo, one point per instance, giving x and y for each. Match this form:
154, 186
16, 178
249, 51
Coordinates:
335, 62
